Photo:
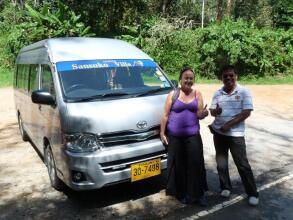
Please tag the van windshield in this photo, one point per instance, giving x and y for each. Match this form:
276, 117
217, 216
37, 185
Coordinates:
100, 79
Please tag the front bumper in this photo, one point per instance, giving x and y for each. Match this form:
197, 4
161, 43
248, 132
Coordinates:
110, 165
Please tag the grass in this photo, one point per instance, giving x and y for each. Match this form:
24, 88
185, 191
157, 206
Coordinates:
269, 80
255, 81
6, 77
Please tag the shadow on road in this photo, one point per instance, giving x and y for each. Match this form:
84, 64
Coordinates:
97, 204
116, 194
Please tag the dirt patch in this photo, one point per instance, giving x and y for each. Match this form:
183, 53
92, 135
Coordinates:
273, 99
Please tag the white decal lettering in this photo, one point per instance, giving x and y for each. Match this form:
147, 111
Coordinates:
74, 67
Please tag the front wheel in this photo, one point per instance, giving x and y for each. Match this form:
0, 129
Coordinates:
50, 163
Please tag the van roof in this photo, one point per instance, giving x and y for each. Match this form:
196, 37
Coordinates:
79, 48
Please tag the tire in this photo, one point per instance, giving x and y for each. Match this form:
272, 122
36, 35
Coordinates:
51, 167
23, 133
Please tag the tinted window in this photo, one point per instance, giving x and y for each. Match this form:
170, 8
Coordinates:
22, 77
33, 78
126, 80
47, 79
17, 77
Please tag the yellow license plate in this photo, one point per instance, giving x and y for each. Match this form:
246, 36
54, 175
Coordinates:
145, 169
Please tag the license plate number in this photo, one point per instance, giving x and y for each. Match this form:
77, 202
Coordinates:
145, 169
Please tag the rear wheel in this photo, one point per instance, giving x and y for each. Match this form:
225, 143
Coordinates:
23, 133
50, 163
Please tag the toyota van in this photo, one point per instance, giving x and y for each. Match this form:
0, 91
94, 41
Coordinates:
92, 108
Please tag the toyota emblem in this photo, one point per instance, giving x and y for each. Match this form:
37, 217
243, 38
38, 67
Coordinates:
141, 124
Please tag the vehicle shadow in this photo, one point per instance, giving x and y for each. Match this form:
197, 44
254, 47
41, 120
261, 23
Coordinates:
144, 199
115, 194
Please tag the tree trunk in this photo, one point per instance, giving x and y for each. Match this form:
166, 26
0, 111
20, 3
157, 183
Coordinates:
164, 5
16, 2
229, 7
220, 10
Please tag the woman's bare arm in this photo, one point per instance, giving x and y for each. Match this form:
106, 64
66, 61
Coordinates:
164, 118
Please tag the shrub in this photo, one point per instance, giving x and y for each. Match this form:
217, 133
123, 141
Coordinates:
256, 52
30, 25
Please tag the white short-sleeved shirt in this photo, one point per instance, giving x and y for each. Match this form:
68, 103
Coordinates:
232, 104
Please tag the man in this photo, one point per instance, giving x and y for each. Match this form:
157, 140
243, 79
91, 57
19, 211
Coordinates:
231, 105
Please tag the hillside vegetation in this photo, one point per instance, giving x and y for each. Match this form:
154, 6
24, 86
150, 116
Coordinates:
256, 36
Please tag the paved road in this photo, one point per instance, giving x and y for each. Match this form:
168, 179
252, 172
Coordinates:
25, 192
276, 199
276, 204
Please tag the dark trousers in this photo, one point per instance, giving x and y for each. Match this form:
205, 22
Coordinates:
237, 147
185, 167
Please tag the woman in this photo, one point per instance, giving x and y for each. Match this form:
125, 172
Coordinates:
180, 131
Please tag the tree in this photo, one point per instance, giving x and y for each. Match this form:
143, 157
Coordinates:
246, 9
282, 13
108, 17
165, 4
17, 2
229, 7
219, 10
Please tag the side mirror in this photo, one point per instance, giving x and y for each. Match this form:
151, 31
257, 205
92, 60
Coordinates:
175, 83
42, 97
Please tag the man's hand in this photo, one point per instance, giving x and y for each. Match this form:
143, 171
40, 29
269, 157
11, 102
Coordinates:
238, 118
225, 128
218, 110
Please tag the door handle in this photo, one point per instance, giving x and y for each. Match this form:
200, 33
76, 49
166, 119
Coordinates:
40, 107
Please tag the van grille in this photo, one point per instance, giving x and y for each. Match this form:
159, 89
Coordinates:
126, 163
127, 137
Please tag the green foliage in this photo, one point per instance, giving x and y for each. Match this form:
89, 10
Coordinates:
24, 26
255, 44
9, 17
58, 23
282, 13
189, 8
136, 34
6, 77
108, 18
247, 9
255, 52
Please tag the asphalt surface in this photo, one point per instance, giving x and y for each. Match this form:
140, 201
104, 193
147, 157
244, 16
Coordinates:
276, 203
275, 196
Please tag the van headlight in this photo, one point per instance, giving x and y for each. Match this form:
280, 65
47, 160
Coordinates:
81, 143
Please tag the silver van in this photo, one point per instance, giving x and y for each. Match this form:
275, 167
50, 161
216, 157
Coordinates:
92, 108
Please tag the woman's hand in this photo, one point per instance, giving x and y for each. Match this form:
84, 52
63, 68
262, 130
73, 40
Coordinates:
164, 138
165, 117
204, 112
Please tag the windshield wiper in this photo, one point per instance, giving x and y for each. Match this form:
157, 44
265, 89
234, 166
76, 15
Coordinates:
99, 96
151, 91
114, 94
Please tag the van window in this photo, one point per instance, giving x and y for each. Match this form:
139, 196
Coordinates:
17, 76
83, 81
22, 77
47, 80
33, 79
